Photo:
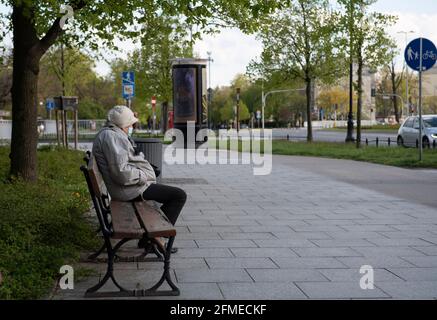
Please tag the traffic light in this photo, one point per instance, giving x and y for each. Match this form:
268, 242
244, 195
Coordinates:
373, 92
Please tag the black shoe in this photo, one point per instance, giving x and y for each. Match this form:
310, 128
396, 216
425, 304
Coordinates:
142, 243
174, 250
161, 250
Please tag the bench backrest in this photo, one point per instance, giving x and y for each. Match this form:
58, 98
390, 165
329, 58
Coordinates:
96, 178
98, 192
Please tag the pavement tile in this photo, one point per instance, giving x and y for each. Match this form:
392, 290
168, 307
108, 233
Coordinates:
261, 291
339, 275
428, 250
313, 263
342, 243
326, 252
410, 290
226, 244
215, 275
400, 242
339, 290
415, 274
375, 262
240, 263
204, 252
285, 275
388, 251
263, 252
285, 243
422, 261
247, 236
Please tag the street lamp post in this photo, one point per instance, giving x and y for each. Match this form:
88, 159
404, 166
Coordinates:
406, 72
209, 53
350, 120
264, 98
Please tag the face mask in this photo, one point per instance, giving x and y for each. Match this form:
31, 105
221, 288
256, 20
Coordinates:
130, 131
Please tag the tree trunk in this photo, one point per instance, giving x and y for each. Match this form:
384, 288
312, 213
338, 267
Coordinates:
360, 97
394, 92
28, 50
309, 110
24, 96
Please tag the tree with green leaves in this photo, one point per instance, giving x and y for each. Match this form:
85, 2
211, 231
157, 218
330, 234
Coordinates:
395, 80
300, 42
36, 25
70, 71
366, 38
227, 113
167, 40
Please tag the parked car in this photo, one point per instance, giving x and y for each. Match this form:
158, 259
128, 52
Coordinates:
408, 134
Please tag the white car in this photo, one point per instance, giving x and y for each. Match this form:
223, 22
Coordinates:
408, 134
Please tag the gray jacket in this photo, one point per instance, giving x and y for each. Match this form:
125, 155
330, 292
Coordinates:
126, 174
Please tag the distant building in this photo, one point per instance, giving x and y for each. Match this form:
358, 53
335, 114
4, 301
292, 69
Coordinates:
429, 83
369, 82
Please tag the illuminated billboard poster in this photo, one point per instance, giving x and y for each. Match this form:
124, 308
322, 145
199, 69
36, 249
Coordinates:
184, 84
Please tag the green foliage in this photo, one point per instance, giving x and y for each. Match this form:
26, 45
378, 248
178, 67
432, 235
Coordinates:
42, 225
101, 22
96, 95
165, 39
365, 32
89, 109
227, 113
300, 42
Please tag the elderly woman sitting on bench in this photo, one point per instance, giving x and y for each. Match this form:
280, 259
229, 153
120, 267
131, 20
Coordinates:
127, 174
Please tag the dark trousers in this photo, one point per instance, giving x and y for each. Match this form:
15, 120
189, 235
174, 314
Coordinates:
172, 199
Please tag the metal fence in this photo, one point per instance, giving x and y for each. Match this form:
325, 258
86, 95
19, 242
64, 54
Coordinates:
46, 129
377, 141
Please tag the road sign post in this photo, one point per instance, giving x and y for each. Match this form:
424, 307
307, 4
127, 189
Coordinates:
238, 110
420, 55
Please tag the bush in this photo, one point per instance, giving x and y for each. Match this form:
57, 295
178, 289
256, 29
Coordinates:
42, 225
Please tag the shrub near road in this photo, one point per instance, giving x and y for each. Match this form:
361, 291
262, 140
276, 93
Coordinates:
42, 225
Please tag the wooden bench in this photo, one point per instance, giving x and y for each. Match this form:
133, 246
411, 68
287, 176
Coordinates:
126, 221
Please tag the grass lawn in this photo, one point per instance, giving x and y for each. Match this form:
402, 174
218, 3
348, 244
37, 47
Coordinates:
42, 225
393, 156
378, 128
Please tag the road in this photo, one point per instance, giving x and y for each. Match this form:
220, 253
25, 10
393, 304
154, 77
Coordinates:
332, 136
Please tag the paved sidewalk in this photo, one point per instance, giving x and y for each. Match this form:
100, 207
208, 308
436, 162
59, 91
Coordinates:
293, 234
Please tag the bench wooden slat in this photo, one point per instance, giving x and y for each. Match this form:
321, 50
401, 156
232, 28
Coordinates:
153, 221
96, 178
124, 221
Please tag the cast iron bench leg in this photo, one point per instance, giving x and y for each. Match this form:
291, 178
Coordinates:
95, 255
153, 291
92, 292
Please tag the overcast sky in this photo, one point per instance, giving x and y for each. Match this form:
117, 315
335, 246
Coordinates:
232, 50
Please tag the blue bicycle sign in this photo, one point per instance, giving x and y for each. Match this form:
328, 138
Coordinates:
429, 54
